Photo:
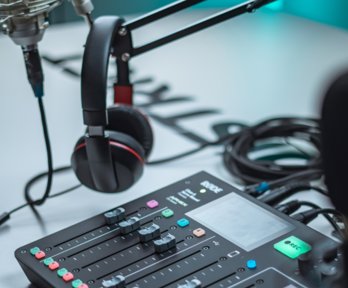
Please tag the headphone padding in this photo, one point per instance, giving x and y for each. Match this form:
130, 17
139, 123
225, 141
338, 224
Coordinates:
128, 120
128, 161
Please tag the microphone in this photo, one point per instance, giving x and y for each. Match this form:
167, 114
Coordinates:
25, 21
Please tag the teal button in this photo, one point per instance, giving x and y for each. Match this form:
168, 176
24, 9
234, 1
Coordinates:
183, 222
76, 283
61, 272
34, 250
292, 247
48, 261
167, 213
251, 264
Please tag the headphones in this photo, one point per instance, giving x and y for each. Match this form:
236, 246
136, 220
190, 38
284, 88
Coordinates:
111, 156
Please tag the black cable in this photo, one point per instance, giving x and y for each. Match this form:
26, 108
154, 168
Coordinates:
250, 171
34, 179
6, 215
279, 194
309, 215
238, 146
271, 174
292, 206
65, 191
27, 195
328, 217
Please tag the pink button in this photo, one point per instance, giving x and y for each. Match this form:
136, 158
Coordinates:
40, 255
152, 204
68, 277
53, 266
83, 286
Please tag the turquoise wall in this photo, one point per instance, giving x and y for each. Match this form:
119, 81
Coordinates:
333, 12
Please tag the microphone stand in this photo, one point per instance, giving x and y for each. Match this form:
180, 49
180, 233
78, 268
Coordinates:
124, 51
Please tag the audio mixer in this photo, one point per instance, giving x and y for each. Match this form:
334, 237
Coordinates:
197, 232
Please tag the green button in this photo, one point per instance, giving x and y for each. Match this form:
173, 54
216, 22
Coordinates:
48, 261
34, 250
61, 272
167, 213
292, 247
76, 283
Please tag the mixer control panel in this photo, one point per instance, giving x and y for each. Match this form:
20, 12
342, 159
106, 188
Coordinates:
198, 232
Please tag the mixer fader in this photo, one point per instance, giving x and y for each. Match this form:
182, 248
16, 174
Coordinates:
198, 232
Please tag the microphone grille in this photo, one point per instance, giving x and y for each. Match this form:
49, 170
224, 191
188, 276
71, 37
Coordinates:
25, 8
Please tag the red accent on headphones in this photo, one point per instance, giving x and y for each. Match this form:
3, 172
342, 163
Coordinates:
114, 143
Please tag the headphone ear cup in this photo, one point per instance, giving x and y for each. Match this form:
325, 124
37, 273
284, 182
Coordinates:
80, 165
130, 121
127, 156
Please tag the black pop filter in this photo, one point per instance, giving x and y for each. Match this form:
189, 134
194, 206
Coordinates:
335, 142
335, 153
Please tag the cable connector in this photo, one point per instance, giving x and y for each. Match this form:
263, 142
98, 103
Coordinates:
309, 215
276, 195
289, 207
34, 69
258, 189
306, 216
84, 8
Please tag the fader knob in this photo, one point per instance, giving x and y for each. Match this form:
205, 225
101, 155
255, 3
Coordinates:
129, 225
115, 282
115, 216
165, 243
149, 233
195, 283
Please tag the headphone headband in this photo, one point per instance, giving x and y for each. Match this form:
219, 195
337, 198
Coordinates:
100, 41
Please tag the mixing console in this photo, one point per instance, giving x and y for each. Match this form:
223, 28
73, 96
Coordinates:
198, 232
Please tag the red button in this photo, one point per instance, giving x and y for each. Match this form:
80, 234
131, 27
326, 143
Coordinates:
40, 255
83, 286
68, 277
53, 266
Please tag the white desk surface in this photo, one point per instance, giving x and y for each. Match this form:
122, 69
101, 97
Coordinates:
251, 68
